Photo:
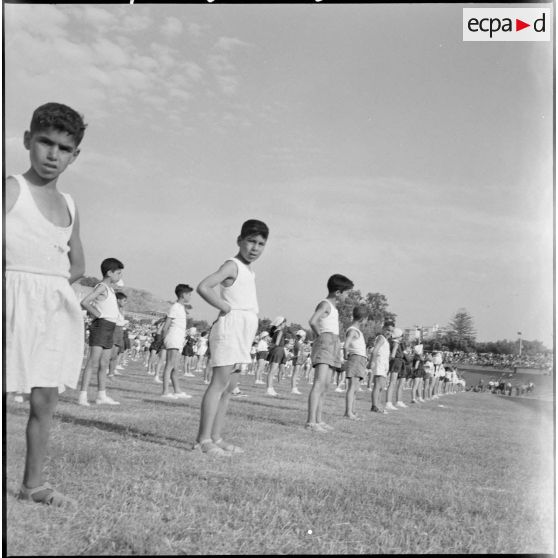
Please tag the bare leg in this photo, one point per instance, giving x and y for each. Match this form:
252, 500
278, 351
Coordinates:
272, 369
102, 369
162, 354
294, 378
42, 403
211, 402
322, 377
91, 365
350, 397
113, 360
172, 355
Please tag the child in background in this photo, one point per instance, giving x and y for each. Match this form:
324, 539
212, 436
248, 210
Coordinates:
232, 333
156, 344
396, 364
101, 304
43, 256
325, 349
428, 377
118, 338
201, 350
379, 366
174, 333
404, 374
298, 359
276, 356
417, 375
188, 352
261, 356
355, 356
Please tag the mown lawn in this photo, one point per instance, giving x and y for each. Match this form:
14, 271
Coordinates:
469, 473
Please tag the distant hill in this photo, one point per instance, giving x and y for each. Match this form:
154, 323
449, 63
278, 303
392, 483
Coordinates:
138, 300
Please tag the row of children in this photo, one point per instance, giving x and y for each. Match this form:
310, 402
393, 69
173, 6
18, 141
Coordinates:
44, 324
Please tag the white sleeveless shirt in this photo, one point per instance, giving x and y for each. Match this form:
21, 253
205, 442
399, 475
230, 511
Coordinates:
33, 243
108, 307
329, 323
356, 346
241, 295
380, 361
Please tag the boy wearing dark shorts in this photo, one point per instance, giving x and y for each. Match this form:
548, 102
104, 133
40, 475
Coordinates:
102, 305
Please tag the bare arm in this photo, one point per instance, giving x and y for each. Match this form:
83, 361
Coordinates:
12, 192
166, 327
322, 310
394, 349
206, 288
88, 302
374, 352
350, 335
77, 258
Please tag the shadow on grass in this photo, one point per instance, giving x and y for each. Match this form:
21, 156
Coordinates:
127, 431
269, 405
121, 429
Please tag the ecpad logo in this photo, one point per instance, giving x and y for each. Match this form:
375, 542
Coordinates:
506, 24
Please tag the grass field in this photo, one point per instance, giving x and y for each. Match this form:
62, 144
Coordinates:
468, 473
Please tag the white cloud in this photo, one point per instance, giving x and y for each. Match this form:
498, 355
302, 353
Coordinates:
171, 27
38, 19
110, 53
194, 71
98, 18
195, 30
136, 21
229, 84
228, 43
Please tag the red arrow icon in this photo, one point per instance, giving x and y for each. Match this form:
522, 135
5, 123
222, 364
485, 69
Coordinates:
519, 25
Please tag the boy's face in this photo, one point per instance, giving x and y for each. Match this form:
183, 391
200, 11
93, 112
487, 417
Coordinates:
341, 296
121, 302
114, 276
251, 247
50, 152
185, 297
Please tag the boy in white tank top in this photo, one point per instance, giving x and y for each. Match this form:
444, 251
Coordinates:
174, 334
43, 257
101, 304
325, 349
232, 333
355, 355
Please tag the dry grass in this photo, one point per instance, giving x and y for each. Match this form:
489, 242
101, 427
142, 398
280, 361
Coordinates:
472, 476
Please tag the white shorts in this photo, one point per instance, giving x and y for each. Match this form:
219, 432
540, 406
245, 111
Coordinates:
174, 339
231, 338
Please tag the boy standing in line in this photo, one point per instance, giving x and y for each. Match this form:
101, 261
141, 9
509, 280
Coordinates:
355, 355
326, 348
379, 365
174, 334
118, 347
101, 303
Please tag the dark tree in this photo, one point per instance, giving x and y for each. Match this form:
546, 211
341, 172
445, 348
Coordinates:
461, 331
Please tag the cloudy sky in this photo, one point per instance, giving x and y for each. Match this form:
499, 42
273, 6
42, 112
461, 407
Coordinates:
372, 140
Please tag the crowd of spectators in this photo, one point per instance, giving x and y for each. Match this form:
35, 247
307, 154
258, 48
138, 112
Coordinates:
503, 361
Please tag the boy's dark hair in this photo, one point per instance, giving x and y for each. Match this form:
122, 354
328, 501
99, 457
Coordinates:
360, 312
339, 282
60, 117
253, 227
182, 288
110, 264
120, 295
